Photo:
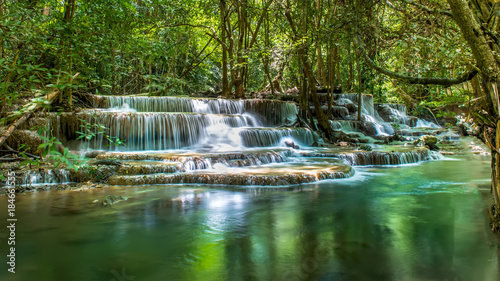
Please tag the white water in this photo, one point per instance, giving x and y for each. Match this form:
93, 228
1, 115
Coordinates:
46, 177
426, 124
166, 123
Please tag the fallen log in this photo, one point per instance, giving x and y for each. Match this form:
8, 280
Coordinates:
33, 107
19, 153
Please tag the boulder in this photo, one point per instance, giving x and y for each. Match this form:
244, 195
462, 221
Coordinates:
429, 141
291, 144
30, 139
94, 153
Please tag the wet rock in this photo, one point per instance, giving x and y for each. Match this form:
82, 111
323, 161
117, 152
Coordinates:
476, 149
389, 139
365, 148
112, 199
146, 169
398, 137
94, 154
30, 139
105, 162
285, 178
74, 144
35, 123
95, 173
319, 143
339, 112
291, 144
429, 141
368, 128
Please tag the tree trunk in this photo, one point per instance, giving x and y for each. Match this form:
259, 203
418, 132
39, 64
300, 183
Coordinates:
351, 68
489, 76
25, 116
495, 186
360, 95
239, 86
225, 83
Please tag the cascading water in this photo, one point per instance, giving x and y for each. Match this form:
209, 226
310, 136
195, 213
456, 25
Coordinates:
274, 137
162, 131
230, 137
367, 102
426, 124
272, 112
368, 112
395, 113
345, 126
165, 123
54, 176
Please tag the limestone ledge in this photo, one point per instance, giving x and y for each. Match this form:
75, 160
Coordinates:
246, 179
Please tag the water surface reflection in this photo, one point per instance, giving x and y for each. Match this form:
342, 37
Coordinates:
419, 222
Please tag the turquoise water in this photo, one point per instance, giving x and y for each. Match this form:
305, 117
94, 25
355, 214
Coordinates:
415, 222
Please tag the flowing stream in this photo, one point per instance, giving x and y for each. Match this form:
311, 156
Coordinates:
413, 222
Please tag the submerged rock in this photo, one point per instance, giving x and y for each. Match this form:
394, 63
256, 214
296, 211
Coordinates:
112, 199
291, 144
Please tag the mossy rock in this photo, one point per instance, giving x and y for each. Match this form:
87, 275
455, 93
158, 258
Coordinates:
30, 139
113, 199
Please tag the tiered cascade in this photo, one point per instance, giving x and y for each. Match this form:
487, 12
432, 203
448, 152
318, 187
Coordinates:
220, 141
378, 120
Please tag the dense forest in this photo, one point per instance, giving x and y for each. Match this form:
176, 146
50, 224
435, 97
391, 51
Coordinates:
250, 139
439, 58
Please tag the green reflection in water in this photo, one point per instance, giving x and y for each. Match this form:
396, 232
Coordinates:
419, 222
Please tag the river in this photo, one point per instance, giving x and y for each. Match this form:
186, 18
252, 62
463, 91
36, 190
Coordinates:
418, 222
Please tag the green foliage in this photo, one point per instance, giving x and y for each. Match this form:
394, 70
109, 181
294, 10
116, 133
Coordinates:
365, 147
93, 129
89, 130
443, 98
131, 47
396, 126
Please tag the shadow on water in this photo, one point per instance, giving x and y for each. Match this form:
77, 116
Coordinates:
420, 223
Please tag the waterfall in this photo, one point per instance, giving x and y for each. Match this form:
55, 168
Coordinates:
149, 104
367, 102
53, 176
274, 137
160, 131
360, 158
344, 125
395, 113
426, 124
273, 112
379, 127
213, 141
165, 123
369, 114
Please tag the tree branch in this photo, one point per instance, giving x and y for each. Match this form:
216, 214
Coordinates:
416, 80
